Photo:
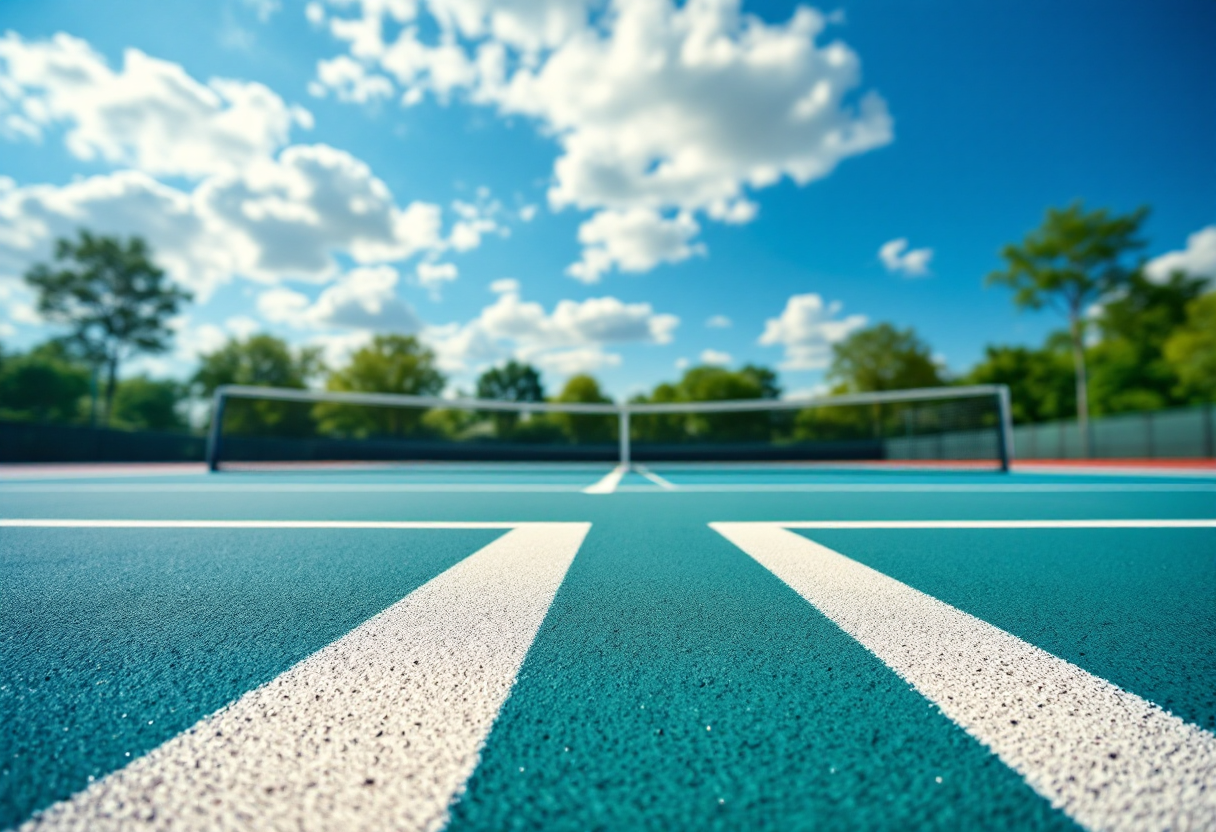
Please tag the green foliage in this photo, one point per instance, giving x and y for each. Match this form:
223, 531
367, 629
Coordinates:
389, 364
43, 385
1075, 258
1040, 380
1191, 350
116, 301
142, 403
1129, 370
1072, 259
882, 357
513, 382
702, 384
267, 361
585, 428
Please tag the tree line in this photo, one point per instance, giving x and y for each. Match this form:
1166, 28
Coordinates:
1129, 343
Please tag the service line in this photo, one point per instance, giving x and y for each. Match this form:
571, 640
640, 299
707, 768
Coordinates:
661, 482
608, 484
379, 730
1105, 757
53, 523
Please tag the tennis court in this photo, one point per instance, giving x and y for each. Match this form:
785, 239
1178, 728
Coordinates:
586, 646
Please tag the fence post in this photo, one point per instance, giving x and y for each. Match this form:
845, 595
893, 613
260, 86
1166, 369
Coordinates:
625, 450
1005, 428
217, 429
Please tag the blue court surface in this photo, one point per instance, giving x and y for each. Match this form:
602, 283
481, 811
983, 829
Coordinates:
580, 647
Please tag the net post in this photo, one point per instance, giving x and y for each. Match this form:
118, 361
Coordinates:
217, 428
1005, 427
624, 428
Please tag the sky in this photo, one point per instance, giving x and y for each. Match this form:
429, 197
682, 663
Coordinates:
623, 188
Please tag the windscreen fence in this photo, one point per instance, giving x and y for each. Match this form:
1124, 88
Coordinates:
267, 425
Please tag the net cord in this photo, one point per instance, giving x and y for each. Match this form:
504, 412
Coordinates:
622, 411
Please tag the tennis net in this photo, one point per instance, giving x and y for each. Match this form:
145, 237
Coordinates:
944, 425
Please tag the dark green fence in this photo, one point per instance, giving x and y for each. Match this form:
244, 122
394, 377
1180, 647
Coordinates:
33, 442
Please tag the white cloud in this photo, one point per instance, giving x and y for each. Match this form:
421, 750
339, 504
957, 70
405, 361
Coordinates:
283, 218
150, 115
1197, 259
364, 299
715, 357
434, 275
633, 241
527, 213
807, 328
657, 107
578, 360
503, 285
682, 363
264, 9
572, 334
349, 80
899, 259
719, 322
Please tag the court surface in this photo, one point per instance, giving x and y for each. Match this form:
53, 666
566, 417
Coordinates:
577, 647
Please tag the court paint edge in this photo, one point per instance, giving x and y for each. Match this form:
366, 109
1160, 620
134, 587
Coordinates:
1105, 757
54, 523
386, 723
988, 524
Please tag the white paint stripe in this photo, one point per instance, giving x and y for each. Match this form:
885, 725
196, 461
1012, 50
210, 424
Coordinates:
379, 730
609, 483
287, 488
997, 524
929, 488
655, 478
1107, 758
54, 523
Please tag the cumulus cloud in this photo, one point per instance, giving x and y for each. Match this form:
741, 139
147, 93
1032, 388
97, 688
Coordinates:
257, 209
719, 322
660, 109
363, 299
279, 219
349, 80
807, 328
636, 240
899, 259
434, 275
716, 357
573, 334
150, 115
1198, 258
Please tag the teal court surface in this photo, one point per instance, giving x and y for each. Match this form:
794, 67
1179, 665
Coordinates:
581, 647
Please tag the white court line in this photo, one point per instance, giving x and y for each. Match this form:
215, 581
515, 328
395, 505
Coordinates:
997, 524
379, 730
915, 488
610, 481
286, 488
44, 523
655, 478
1105, 757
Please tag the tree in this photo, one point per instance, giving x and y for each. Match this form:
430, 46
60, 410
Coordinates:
709, 383
149, 404
585, 428
389, 364
115, 299
1128, 369
1191, 350
1075, 258
1040, 381
513, 382
43, 385
266, 361
882, 357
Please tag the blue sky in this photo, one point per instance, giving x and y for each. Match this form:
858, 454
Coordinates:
588, 185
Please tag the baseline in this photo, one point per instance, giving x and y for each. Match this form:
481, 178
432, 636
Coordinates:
1107, 758
379, 729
